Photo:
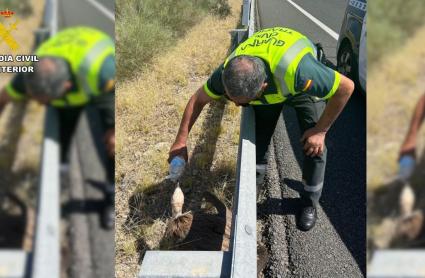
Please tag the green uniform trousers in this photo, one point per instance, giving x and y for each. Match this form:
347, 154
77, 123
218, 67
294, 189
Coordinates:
308, 110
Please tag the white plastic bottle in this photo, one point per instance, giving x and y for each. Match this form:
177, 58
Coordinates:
406, 166
176, 168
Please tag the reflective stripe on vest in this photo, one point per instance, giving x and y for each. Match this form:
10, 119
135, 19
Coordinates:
282, 49
97, 52
287, 58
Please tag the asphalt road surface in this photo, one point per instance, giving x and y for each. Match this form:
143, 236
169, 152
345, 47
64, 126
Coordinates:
336, 245
91, 250
94, 13
92, 247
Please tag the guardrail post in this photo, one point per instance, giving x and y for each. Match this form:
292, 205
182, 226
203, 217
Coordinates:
50, 17
245, 12
46, 255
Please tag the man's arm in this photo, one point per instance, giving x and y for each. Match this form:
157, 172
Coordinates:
409, 145
105, 102
105, 105
336, 104
191, 113
4, 99
314, 137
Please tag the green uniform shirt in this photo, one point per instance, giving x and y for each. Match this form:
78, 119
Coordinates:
312, 77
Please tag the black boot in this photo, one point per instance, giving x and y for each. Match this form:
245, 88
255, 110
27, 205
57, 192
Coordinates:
308, 216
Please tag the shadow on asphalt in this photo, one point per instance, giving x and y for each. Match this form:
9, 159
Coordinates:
82, 206
284, 206
294, 184
88, 205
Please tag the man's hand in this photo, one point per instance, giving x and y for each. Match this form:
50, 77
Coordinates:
314, 141
178, 149
408, 148
109, 139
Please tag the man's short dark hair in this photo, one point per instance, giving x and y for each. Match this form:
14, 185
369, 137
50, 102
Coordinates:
48, 78
243, 76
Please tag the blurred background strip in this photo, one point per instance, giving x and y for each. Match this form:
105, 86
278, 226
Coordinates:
66, 224
395, 151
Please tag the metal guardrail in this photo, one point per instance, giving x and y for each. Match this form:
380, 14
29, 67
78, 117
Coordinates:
241, 260
14, 263
244, 228
50, 19
246, 12
46, 255
397, 264
211, 264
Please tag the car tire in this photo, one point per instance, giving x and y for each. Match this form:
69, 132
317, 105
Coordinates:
347, 64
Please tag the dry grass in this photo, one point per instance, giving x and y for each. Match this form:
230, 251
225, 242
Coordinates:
394, 87
160, 23
149, 110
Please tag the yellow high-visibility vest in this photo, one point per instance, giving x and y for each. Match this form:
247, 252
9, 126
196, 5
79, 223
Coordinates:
283, 49
85, 49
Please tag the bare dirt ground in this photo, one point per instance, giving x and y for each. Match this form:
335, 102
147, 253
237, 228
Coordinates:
149, 109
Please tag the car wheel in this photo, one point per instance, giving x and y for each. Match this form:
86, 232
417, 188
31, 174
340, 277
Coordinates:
345, 62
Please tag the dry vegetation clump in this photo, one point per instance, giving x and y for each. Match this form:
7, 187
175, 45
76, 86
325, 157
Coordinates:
149, 109
148, 28
394, 87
